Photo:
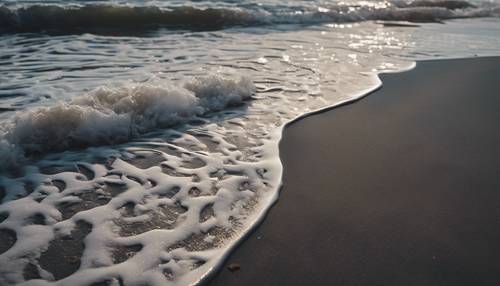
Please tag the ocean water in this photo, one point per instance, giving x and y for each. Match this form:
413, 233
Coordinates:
139, 140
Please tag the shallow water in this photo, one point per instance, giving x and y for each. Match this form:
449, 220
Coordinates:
141, 156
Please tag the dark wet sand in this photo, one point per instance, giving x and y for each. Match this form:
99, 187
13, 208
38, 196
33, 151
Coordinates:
399, 188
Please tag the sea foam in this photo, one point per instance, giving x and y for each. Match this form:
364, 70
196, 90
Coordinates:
111, 115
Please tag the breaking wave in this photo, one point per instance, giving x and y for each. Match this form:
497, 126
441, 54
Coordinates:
75, 18
110, 115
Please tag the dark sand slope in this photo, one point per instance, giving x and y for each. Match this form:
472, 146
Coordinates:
400, 188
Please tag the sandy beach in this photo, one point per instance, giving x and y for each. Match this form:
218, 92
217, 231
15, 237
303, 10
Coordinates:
399, 188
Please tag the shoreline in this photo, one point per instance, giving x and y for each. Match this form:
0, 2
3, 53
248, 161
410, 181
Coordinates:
277, 134
258, 236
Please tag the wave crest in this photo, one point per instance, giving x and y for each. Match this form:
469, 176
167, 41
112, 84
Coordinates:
110, 115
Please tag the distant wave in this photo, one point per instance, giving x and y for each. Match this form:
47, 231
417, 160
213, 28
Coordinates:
53, 17
36, 18
110, 115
